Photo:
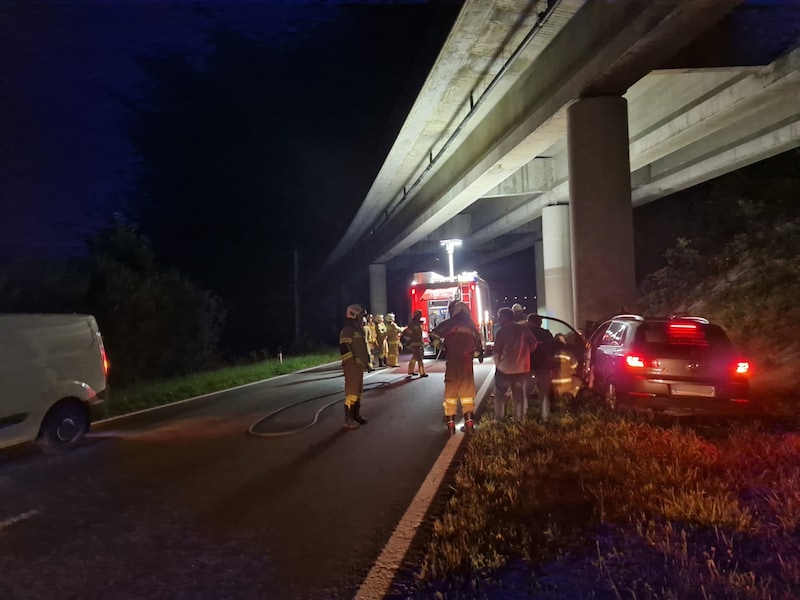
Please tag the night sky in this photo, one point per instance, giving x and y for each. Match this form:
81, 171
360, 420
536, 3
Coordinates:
69, 69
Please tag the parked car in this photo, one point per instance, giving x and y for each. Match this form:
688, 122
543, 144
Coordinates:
53, 370
666, 363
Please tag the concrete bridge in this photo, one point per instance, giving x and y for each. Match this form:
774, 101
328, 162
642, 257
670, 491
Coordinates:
544, 123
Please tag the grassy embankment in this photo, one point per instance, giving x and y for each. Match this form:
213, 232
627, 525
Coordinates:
608, 505
157, 393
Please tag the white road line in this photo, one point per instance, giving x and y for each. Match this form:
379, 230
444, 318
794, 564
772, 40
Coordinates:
218, 392
379, 579
17, 519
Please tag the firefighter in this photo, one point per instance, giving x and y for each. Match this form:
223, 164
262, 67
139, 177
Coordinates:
463, 341
380, 340
519, 313
565, 366
414, 336
355, 360
370, 336
393, 345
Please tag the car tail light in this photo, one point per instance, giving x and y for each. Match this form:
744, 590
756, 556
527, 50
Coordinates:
741, 367
635, 361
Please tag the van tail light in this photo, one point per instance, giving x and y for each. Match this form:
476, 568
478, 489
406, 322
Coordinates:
634, 361
106, 365
741, 367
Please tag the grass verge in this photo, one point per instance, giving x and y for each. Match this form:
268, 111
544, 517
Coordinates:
606, 505
157, 393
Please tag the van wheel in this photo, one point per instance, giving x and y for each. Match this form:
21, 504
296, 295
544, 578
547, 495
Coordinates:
63, 428
610, 397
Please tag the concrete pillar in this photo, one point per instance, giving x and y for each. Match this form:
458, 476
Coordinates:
541, 290
557, 264
377, 289
601, 213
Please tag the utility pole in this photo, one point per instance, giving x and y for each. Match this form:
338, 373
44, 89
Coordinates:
296, 297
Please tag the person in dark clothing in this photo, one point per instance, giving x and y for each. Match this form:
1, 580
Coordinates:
541, 364
513, 348
414, 336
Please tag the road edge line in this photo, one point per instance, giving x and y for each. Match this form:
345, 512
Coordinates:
379, 579
206, 395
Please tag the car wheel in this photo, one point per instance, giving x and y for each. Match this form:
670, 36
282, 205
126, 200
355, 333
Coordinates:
610, 397
63, 428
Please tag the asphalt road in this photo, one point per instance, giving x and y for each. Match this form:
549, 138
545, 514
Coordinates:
183, 502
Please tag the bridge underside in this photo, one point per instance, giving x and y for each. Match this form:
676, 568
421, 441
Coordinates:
710, 88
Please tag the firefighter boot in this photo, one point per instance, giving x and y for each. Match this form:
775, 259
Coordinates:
357, 413
469, 422
349, 422
451, 424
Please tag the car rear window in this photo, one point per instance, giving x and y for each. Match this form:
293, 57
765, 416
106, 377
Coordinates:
672, 334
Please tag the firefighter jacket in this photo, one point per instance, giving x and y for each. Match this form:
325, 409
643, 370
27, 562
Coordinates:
370, 335
353, 344
393, 331
564, 370
413, 333
380, 333
461, 336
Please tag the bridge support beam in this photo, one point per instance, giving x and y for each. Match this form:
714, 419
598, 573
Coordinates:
557, 298
601, 213
377, 289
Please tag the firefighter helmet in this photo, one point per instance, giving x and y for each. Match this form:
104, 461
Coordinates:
390, 317
458, 308
354, 311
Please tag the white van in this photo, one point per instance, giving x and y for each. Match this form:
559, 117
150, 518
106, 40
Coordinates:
53, 371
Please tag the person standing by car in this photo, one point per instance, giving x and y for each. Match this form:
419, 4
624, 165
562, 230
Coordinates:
564, 368
355, 360
541, 364
513, 347
414, 335
463, 342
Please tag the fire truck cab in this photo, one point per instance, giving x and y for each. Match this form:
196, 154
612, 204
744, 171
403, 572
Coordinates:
432, 293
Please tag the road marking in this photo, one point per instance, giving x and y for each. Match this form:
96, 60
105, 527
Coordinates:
17, 519
379, 579
192, 399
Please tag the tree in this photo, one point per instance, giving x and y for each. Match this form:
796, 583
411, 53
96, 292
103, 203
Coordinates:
267, 145
155, 323
742, 267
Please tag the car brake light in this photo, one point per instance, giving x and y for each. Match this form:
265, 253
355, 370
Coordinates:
742, 367
632, 360
682, 326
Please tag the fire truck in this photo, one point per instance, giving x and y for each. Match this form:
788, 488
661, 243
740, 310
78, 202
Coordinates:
432, 293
